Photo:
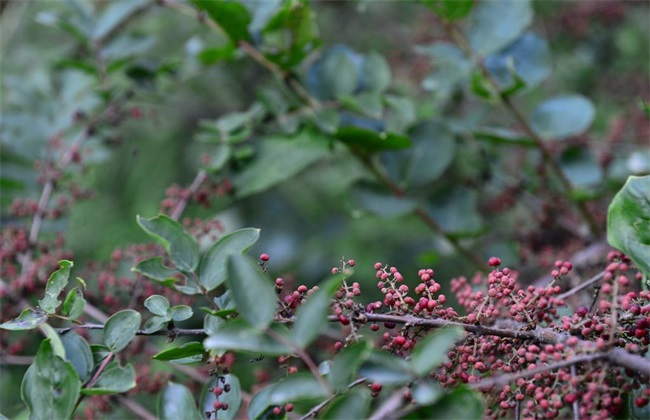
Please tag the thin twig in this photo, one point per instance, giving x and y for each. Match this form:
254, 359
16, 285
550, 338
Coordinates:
136, 408
595, 279
201, 176
525, 125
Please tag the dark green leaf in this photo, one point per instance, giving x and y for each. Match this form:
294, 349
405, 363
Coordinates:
450, 10
157, 305
455, 210
432, 350
279, 159
177, 402
181, 312
232, 17
213, 265
50, 387
154, 269
120, 329
214, 55
562, 117
78, 353
386, 369
460, 403
100, 353
433, 150
180, 245
73, 305
401, 113
237, 335
27, 320
495, 24
339, 72
259, 403
113, 380
353, 405
251, 290
503, 136
232, 398
311, 317
55, 285
482, 87
192, 348
628, 221
370, 140
345, 365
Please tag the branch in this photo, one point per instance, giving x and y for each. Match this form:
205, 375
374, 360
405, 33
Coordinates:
201, 176
317, 408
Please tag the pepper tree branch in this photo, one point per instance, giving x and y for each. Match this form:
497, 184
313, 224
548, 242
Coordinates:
525, 125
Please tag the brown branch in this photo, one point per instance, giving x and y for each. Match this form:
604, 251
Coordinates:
595, 279
201, 176
525, 125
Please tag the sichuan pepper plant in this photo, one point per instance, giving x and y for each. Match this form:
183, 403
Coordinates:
192, 318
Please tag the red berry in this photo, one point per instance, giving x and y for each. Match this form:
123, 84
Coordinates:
279, 282
265, 257
351, 263
494, 262
400, 340
375, 387
277, 411
288, 407
374, 327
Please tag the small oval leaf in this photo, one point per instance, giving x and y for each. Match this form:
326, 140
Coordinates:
562, 117
157, 305
120, 329
177, 402
55, 285
252, 291
180, 245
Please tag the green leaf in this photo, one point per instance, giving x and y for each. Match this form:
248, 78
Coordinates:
27, 320
211, 324
181, 312
180, 245
353, 405
157, 305
115, 14
77, 352
55, 340
371, 141
562, 117
212, 272
503, 136
213, 55
193, 348
433, 151
460, 403
50, 387
401, 113
113, 380
73, 305
450, 10
432, 350
382, 203
482, 88
376, 74
427, 392
524, 63
451, 69
311, 317
295, 388
581, 167
455, 210
120, 329
252, 291
339, 73
628, 221
237, 335
55, 285
154, 269
345, 365
279, 159
177, 402
232, 398
495, 24
386, 369
232, 17
156, 323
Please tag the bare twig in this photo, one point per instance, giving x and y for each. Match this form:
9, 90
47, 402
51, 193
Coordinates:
136, 408
201, 176
320, 406
595, 279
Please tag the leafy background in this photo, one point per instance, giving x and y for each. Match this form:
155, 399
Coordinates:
599, 50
